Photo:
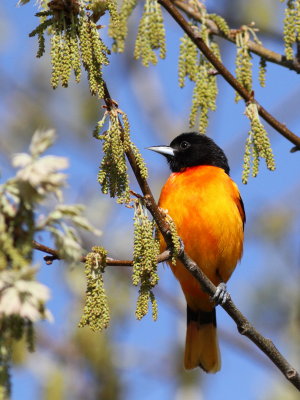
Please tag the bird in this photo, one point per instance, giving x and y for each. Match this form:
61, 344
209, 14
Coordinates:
209, 215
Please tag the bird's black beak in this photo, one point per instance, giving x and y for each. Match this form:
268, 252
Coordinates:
166, 151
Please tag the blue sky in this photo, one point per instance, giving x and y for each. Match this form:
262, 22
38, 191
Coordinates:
240, 376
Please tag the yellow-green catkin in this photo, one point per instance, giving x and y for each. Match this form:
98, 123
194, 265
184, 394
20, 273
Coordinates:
176, 244
262, 72
93, 54
65, 57
113, 176
243, 62
205, 92
75, 41
198, 69
188, 62
291, 30
151, 34
257, 145
114, 15
96, 310
119, 34
220, 22
139, 161
146, 250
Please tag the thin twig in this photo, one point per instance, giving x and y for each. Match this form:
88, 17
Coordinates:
54, 255
243, 325
199, 42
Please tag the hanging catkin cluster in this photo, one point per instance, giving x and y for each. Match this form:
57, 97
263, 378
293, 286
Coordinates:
243, 62
262, 72
257, 145
243, 59
188, 62
220, 22
113, 176
96, 310
291, 30
151, 34
119, 35
195, 66
93, 55
146, 250
176, 243
75, 41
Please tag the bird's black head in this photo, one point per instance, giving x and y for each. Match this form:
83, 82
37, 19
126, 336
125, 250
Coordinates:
191, 149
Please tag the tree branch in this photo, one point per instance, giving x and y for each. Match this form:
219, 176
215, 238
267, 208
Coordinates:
227, 336
243, 325
255, 48
54, 255
199, 42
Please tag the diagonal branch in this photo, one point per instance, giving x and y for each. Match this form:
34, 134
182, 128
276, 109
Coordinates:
199, 42
255, 48
243, 325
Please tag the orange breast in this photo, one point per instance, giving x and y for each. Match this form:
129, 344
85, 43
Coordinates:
205, 205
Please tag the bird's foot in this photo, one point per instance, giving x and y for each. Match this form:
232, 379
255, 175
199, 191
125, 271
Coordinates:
221, 295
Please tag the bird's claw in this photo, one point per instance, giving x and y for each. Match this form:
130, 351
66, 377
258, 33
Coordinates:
221, 295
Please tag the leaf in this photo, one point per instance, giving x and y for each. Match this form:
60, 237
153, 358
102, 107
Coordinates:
41, 141
83, 223
22, 2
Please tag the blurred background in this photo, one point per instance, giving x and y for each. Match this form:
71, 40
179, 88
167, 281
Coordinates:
143, 359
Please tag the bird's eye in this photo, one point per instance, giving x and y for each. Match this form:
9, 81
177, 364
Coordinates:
184, 145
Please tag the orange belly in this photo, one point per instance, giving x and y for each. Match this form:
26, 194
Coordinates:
204, 203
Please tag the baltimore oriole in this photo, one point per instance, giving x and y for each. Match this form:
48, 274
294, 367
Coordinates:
209, 215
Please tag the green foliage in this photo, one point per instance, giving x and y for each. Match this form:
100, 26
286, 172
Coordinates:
96, 310
257, 145
291, 30
22, 302
146, 250
22, 298
151, 34
66, 237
